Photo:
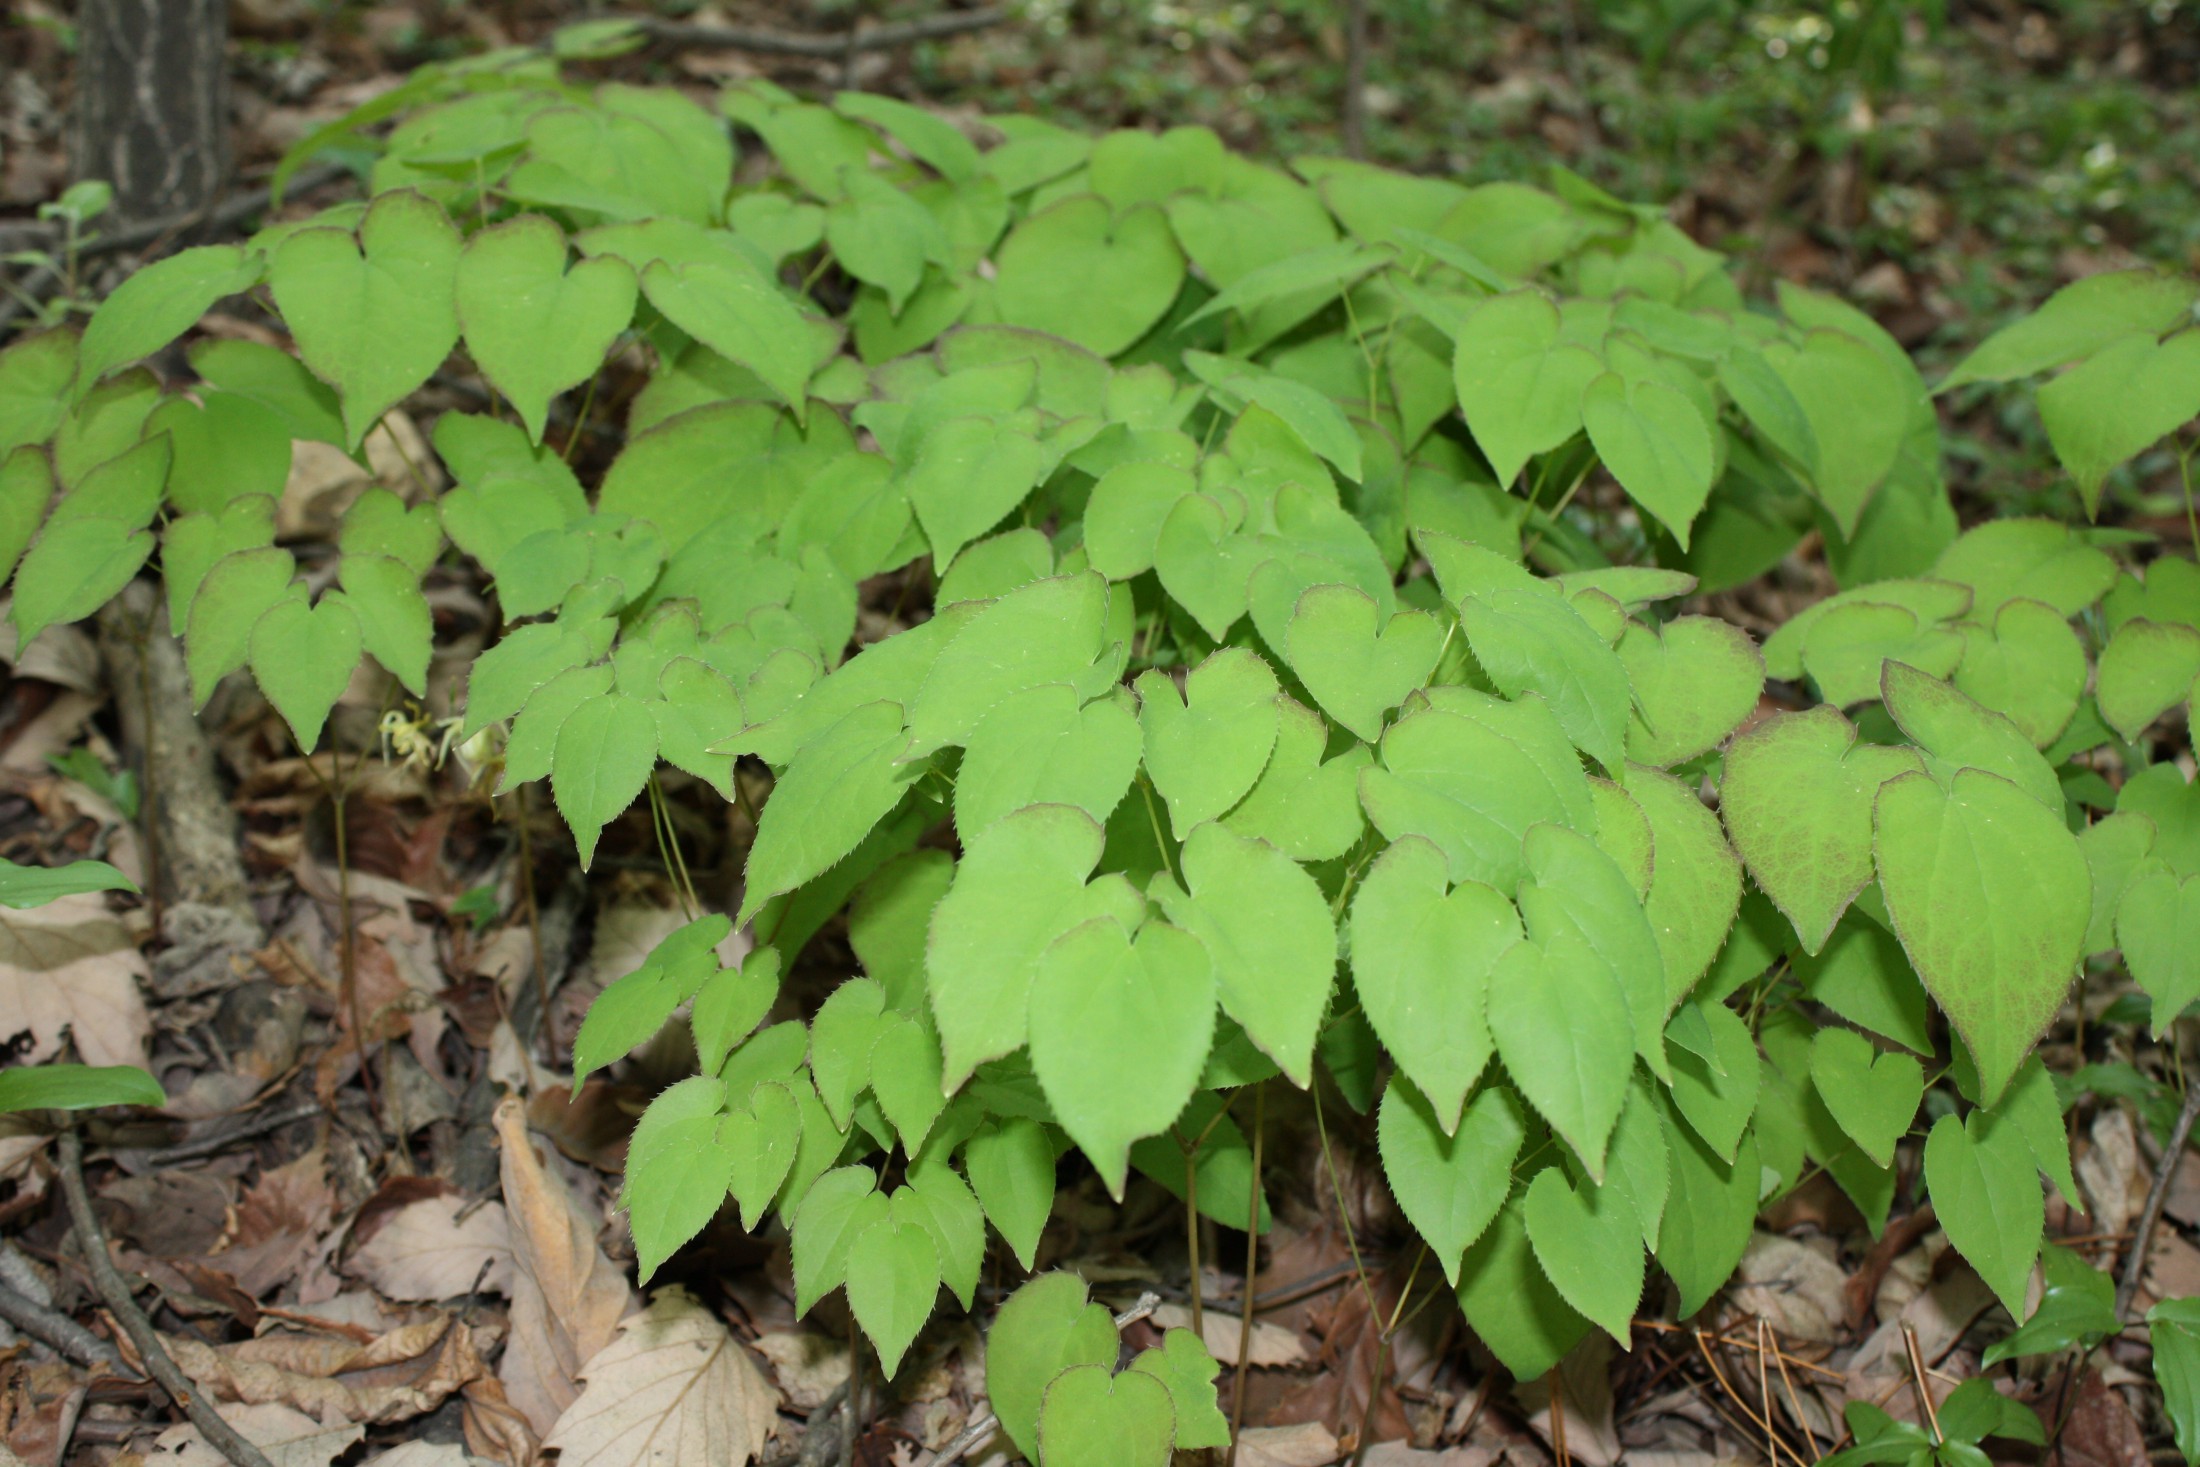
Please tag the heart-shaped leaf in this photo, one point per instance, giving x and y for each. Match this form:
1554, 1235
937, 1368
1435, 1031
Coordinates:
2031, 669
1081, 271
1045, 1328
1872, 1095
373, 315
1590, 1245
1655, 442
1449, 1186
761, 1143
905, 1077
1422, 958
1695, 680
1206, 746
2147, 668
1560, 1021
1021, 884
2118, 401
1717, 1095
606, 749
893, 1282
1204, 564
1519, 387
1859, 408
1094, 1419
1119, 1034
1356, 673
677, 1169
1509, 1300
303, 657
1990, 896
534, 327
1270, 935
1796, 800
741, 316
1986, 1191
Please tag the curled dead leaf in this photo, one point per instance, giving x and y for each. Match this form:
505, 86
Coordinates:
567, 1298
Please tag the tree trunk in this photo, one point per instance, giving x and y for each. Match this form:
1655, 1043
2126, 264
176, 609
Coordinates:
152, 107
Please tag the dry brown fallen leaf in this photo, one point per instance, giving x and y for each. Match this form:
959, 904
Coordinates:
74, 965
1308, 1444
407, 1372
1272, 1343
288, 1436
810, 1366
425, 1250
675, 1387
1798, 1290
567, 1298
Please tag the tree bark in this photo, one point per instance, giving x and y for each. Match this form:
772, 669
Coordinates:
152, 107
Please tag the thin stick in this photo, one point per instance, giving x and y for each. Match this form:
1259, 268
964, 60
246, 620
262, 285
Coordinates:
51, 1327
1795, 1399
2142, 1237
1252, 1263
1726, 1385
116, 1292
1924, 1387
1764, 1396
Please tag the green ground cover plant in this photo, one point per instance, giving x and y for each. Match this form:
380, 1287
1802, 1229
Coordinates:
1297, 695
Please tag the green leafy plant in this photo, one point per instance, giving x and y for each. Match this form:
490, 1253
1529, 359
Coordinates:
1296, 696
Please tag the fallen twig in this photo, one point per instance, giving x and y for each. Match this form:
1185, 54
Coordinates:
2142, 1237
51, 1327
116, 1291
823, 48
1863, 1286
252, 1126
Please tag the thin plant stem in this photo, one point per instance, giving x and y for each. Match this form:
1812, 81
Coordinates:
668, 850
1551, 517
1145, 788
149, 785
1382, 1358
1191, 1232
1336, 1188
2184, 478
1252, 1262
339, 792
580, 423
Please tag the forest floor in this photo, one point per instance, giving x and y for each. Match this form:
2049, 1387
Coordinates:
391, 1254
